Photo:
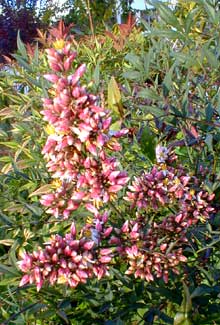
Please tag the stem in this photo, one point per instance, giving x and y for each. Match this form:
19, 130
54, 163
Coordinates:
114, 208
90, 17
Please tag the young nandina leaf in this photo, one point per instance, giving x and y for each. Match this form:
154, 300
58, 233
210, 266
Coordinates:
114, 98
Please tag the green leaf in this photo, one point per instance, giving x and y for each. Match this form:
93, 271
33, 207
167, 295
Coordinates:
210, 10
7, 281
209, 141
167, 82
148, 143
170, 34
182, 317
117, 321
135, 61
167, 15
36, 308
201, 290
114, 98
36, 210
154, 110
211, 58
189, 21
209, 111
132, 75
36, 55
21, 47
10, 144
8, 270
5, 219
22, 62
149, 93
96, 75
147, 61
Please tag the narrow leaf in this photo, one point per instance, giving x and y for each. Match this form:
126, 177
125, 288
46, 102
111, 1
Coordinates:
41, 190
114, 98
21, 47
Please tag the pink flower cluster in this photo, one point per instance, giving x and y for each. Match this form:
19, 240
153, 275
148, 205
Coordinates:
151, 249
166, 186
68, 260
77, 152
154, 249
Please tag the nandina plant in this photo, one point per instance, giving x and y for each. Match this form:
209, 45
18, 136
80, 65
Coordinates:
141, 228
86, 174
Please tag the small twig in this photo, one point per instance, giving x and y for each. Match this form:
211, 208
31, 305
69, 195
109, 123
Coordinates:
90, 17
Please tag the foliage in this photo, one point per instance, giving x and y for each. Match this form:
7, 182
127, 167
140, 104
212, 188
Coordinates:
160, 82
14, 18
103, 12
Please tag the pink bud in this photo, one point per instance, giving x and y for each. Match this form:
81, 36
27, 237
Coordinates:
92, 209
53, 277
115, 188
68, 62
56, 67
105, 259
88, 245
82, 274
78, 74
105, 251
107, 232
63, 263
37, 274
55, 258
24, 280
39, 285
125, 227
114, 241
163, 247
51, 77
73, 229
106, 123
